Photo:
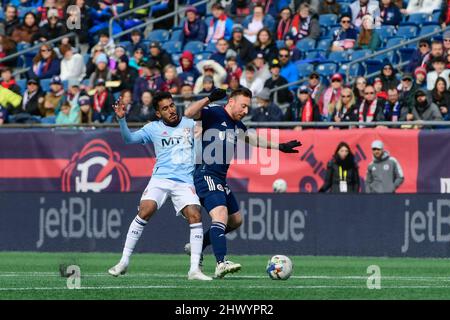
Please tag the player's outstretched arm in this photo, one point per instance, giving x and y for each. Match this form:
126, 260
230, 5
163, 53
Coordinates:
194, 111
259, 141
128, 136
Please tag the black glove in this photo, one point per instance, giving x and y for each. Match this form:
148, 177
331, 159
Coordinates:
217, 94
288, 147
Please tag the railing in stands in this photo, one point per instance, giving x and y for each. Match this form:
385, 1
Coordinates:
145, 24
130, 12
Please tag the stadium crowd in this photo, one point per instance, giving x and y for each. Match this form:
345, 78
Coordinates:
261, 45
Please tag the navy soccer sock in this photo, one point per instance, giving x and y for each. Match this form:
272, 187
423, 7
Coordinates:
207, 239
218, 240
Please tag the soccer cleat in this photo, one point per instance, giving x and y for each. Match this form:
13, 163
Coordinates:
198, 275
226, 267
118, 269
187, 249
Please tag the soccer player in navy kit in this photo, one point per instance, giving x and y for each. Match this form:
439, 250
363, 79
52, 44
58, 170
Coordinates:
221, 127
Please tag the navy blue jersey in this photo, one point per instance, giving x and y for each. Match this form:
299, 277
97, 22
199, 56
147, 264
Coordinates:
219, 138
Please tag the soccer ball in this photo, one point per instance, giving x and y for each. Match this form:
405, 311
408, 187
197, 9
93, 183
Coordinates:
279, 186
279, 267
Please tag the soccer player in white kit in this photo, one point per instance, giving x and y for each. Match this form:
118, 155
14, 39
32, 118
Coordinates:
173, 139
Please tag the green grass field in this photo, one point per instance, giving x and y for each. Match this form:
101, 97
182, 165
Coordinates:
152, 276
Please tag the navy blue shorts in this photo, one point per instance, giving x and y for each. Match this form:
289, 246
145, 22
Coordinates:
214, 192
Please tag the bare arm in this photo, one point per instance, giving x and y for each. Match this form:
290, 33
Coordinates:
194, 110
256, 140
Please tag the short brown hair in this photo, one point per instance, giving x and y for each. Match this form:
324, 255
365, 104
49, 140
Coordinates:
241, 92
64, 48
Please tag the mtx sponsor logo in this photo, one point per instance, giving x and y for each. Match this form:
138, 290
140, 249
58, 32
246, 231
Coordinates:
432, 225
75, 219
263, 223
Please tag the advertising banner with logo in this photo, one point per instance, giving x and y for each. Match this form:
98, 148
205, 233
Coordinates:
367, 225
99, 161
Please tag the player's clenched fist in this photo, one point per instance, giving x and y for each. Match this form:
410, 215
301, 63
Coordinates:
288, 147
119, 108
217, 94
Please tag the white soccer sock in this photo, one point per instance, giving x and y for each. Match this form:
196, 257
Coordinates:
196, 241
134, 233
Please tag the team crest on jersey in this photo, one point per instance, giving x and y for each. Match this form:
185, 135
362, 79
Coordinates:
95, 168
220, 187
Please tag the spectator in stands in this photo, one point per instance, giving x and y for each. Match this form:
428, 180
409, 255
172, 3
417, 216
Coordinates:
194, 28
342, 172
139, 14
103, 100
231, 66
390, 14
233, 84
289, 41
371, 108
7, 47
305, 24
420, 57
213, 69
8, 81
444, 17
53, 100
284, 24
125, 74
378, 85
101, 17
53, 29
72, 64
316, 86
101, 70
368, 37
74, 92
138, 59
388, 76
437, 51
187, 97
159, 55
448, 59
11, 19
241, 45
384, 173
360, 8
136, 41
30, 100
45, 64
250, 81
171, 83
330, 7
423, 109
127, 100
304, 109
331, 96
142, 111
78, 15
10, 100
441, 97
119, 52
262, 68
150, 79
264, 44
440, 71
422, 6
274, 7
219, 55
281, 96
220, 25
345, 37
407, 89
358, 89
87, 113
68, 114
421, 77
314, 4
446, 41
3, 115
43, 10
107, 44
27, 31
266, 110
207, 85
187, 73
394, 108
161, 9
346, 109
255, 22
288, 68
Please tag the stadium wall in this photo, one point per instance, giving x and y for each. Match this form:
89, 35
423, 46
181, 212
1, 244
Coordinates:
41, 160
407, 225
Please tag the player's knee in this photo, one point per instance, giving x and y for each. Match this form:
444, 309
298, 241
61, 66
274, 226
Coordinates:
235, 221
220, 214
146, 209
192, 214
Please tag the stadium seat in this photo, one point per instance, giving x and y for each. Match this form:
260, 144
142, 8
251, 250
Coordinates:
315, 55
280, 44
125, 44
418, 18
172, 46
406, 53
327, 20
373, 66
338, 56
201, 56
22, 11
176, 58
176, 35
429, 29
306, 44
85, 82
304, 69
394, 41
407, 31
355, 70
358, 54
158, 35
326, 69
211, 47
194, 47
330, 33
86, 58
324, 44
435, 16
22, 83
45, 84
386, 32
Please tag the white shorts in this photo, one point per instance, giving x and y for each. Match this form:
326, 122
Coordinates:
181, 193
